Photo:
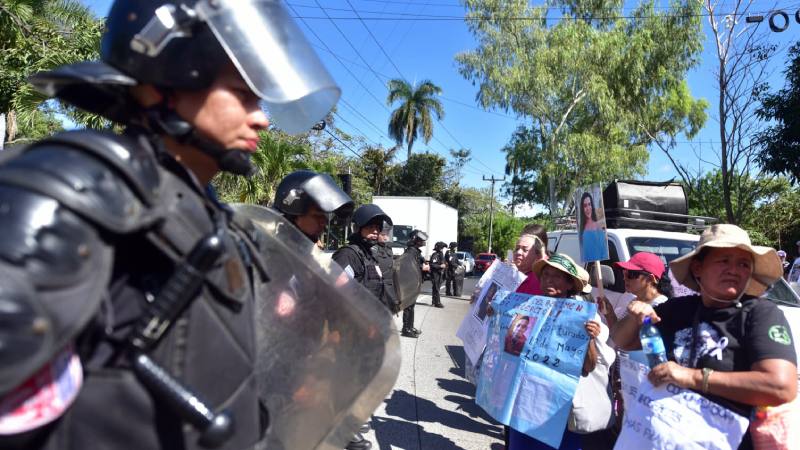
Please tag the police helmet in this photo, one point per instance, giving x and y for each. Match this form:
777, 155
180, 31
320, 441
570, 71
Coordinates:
183, 44
439, 245
453, 244
417, 238
303, 188
369, 213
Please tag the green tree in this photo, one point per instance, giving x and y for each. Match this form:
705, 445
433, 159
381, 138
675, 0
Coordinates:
377, 164
414, 116
780, 143
278, 154
590, 83
39, 35
747, 195
421, 175
778, 216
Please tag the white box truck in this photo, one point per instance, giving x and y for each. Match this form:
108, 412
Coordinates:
433, 217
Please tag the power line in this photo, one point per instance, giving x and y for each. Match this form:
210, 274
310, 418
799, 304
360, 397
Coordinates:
352, 46
371, 70
358, 79
361, 57
365, 118
445, 98
375, 39
446, 18
399, 72
358, 155
355, 128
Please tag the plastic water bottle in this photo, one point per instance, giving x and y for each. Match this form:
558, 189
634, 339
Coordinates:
652, 344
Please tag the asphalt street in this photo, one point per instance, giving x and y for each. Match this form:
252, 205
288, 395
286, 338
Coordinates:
432, 405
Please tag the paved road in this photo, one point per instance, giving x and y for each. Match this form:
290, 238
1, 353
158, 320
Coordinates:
431, 406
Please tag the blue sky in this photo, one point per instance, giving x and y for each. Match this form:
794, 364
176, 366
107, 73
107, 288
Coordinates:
420, 48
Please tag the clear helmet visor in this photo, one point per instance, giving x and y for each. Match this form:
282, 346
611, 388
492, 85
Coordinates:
274, 58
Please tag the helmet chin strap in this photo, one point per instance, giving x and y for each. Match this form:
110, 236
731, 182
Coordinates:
163, 120
737, 301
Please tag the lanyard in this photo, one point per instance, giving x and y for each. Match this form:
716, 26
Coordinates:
695, 326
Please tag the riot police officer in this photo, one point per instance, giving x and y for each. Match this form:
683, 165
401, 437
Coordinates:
438, 266
416, 241
451, 259
130, 283
309, 200
358, 261
383, 253
357, 258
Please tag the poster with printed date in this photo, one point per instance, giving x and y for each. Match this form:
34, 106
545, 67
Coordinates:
591, 220
534, 355
670, 417
473, 328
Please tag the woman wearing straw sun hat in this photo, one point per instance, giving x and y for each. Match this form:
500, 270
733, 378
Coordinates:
591, 411
726, 343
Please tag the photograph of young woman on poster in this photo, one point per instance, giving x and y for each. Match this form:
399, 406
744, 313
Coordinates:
591, 232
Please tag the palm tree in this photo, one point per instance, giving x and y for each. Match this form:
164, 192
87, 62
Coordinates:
414, 113
38, 35
277, 156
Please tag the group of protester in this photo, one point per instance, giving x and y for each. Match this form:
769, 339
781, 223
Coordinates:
724, 341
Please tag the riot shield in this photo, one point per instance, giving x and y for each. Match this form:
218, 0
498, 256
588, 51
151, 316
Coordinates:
458, 275
328, 353
407, 279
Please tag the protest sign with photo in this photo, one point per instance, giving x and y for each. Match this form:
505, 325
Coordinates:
534, 355
591, 223
472, 330
669, 417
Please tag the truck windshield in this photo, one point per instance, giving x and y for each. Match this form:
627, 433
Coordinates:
400, 235
667, 248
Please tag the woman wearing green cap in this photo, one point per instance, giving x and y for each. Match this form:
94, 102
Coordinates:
560, 277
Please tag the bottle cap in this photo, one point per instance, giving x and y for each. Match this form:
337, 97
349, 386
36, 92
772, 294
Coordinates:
646, 321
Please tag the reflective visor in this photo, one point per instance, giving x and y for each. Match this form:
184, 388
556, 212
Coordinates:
274, 58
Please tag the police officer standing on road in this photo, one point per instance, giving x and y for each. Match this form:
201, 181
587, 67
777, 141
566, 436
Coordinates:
309, 199
415, 242
383, 253
121, 272
438, 266
358, 261
451, 286
357, 258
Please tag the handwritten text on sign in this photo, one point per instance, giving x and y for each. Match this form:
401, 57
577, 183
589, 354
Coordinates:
670, 417
534, 354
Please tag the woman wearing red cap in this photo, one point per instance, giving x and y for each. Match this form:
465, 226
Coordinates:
644, 278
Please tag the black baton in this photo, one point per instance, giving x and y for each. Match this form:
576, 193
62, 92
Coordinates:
179, 290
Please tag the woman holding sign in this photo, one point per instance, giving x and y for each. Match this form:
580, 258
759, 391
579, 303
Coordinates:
591, 410
726, 343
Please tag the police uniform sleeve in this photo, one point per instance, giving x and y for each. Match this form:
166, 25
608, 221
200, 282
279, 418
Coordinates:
63, 201
767, 334
55, 270
352, 265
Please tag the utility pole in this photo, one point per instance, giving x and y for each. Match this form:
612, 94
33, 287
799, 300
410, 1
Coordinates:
491, 207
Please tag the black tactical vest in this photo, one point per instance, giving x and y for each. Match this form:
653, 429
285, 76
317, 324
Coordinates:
143, 212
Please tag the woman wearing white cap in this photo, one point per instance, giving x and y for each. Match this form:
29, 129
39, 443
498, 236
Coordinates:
726, 343
591, 410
